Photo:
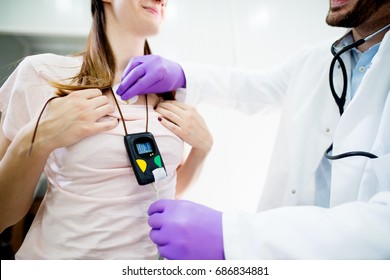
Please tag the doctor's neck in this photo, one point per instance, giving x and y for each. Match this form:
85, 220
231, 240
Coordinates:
363, 33
369, 27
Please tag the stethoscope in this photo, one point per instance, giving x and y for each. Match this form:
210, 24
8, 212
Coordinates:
340, 100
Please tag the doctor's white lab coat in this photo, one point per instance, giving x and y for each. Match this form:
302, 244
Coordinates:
357, 223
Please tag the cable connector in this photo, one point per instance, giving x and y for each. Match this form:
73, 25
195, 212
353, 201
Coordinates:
158, 174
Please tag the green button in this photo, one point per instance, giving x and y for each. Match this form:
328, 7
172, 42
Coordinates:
157, 161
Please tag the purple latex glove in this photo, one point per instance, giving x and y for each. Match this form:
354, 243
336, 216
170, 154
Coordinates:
184, 230
150, 74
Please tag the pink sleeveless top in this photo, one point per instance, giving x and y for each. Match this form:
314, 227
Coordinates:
94, 207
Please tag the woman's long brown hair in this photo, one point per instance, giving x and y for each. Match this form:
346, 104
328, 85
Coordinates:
98, 67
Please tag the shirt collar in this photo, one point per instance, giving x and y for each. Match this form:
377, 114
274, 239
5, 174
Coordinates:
346, 40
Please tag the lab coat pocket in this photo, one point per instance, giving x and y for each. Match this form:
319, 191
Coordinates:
381, 171
376, 178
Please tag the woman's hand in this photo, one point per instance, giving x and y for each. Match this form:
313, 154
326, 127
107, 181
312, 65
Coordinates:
65, 121
69, 119
184, 120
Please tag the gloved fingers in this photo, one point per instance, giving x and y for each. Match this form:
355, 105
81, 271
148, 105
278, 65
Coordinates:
129, 81
157, 206
144, 85
134, 62
158, 237
138, 60
155, 220
164, 251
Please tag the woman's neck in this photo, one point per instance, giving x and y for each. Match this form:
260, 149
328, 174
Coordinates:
124, 43
126, 48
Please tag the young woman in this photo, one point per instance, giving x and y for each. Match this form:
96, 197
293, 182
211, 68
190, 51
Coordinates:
94, 207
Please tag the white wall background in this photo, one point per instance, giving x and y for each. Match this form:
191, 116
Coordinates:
253, 34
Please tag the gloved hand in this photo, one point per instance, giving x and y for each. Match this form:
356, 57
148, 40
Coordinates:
150, 74
184, 230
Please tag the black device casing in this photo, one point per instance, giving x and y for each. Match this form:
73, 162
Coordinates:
143, 177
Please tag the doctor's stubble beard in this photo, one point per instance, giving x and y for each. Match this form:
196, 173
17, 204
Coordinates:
358, 14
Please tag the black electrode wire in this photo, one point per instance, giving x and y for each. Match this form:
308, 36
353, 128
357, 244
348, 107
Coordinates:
36, 125
147, 113
121, 115
120, 111
29, 151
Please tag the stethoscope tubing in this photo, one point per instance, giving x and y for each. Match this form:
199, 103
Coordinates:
340, 100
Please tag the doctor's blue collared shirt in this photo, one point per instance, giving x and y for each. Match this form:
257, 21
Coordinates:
360, 62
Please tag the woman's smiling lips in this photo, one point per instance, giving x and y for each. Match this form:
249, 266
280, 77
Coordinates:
152, 10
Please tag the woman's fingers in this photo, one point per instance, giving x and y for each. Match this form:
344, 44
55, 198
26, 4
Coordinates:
172, 115
172, 127
184, 120
78, 115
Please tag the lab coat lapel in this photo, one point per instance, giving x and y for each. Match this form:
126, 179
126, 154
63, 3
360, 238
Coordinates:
358, 128
323, 106
311, 124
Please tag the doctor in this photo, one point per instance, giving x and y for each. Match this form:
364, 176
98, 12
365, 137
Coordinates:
316, 204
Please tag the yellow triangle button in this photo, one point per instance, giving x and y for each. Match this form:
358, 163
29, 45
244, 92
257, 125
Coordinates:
142, 164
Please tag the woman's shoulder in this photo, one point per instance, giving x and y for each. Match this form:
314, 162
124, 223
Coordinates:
53, 59
52, 66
